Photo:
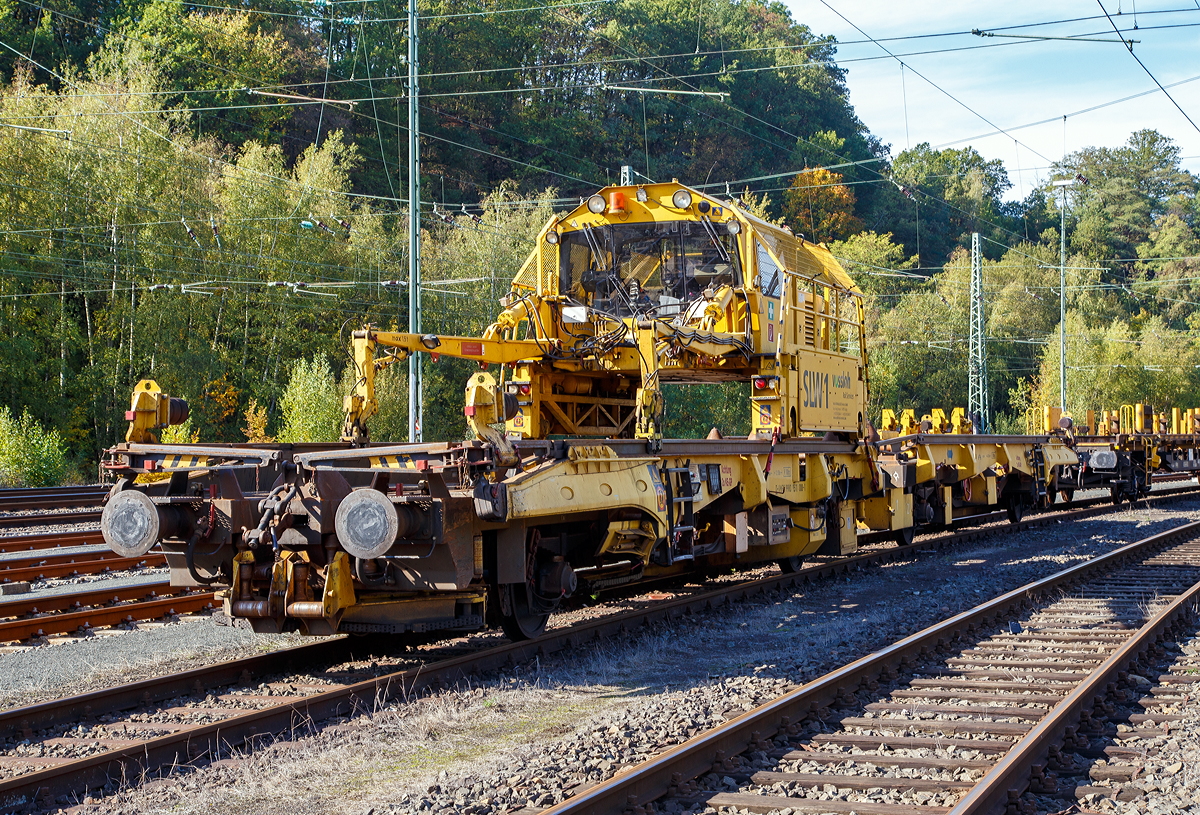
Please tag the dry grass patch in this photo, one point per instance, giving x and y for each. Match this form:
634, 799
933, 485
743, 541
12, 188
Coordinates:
375, 758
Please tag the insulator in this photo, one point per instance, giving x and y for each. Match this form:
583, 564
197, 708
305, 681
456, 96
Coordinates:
191, 234
320, 224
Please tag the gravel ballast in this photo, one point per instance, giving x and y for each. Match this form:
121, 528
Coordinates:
102, 660
524, 738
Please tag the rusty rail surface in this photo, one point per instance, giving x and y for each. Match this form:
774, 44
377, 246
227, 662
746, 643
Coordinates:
35, 616
46, 518
51, 497
101, 616
48, 540
94, 562
672, 771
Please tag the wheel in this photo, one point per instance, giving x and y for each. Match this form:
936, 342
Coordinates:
790, 565
516, 618
1116, 494
1016, 510
905, 536
1067, 495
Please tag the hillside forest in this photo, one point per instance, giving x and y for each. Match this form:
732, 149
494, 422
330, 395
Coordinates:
212, 196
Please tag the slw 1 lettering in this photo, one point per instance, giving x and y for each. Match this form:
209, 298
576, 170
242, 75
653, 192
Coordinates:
816, 389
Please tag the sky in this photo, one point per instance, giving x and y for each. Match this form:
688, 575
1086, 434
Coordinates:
1008, 84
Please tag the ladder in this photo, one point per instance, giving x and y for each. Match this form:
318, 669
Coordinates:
681, 519
1039, 470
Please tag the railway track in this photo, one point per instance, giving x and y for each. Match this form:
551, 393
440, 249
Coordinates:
47, 518
86, 610
93, 560
51, 498
24, 617
49, 540
963, 717
21, 508
206, 712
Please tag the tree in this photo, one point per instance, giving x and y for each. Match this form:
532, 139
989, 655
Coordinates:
917, 352
59, 37
311, 404
1170, 267
948, 194
822, 208
878, 265
1129, 188
208, 60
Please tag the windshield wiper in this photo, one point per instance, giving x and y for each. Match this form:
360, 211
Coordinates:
712, 233
609, 272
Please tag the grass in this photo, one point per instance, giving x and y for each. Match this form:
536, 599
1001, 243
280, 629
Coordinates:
378, 755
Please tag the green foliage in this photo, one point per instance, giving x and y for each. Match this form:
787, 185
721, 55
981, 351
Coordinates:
1114, 365
693, 410
104, 285
203, 52
390, 424
180, 433
66, 33
877, 263
571, 132
311, 403
958, 193
30, 455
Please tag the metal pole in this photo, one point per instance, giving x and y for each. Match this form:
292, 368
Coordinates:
1062, 308
416, 407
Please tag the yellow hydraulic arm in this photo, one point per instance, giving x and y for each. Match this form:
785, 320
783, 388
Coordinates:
360, 405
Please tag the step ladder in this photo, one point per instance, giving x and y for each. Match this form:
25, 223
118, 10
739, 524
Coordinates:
681, 517
1039, 470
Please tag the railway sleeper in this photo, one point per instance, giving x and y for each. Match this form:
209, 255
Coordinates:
929, 726
1121, 756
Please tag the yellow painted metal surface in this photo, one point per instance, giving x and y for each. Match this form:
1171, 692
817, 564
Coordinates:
339, 585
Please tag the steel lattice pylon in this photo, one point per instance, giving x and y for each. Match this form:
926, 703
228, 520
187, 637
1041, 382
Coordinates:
977, 390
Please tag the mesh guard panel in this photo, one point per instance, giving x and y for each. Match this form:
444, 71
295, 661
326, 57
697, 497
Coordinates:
549, 269
527, 278
811, 261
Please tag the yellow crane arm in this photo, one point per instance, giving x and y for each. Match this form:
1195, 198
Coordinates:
497, 351
361, 405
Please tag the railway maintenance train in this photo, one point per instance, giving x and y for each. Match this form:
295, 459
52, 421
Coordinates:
568, 484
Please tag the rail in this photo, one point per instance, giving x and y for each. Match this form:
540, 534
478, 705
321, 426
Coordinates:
239, 730
51, 497
673, 772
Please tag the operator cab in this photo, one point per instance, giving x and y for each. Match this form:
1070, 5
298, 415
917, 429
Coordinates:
648, 270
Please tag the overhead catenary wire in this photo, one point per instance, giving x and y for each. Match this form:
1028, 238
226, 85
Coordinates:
942, 90
1147, 70
577, 179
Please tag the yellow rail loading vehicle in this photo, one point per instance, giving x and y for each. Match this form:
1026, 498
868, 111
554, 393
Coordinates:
568, 484
1120, 450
